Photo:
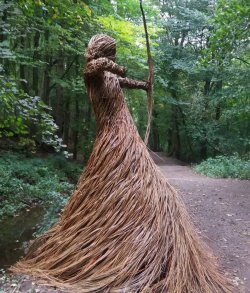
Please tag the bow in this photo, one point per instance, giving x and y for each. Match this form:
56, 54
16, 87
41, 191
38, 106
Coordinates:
150, 76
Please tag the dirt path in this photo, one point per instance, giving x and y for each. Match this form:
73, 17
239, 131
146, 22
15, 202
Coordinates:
221, 210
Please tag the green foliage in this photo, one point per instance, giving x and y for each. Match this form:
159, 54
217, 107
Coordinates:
204, 98
12, 112
25, 181
201, 56
53, 211
201, 94
230, 37
26, 117
224, 167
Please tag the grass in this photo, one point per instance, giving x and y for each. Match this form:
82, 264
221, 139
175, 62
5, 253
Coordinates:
225, 167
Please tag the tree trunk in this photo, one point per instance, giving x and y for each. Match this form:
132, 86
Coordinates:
66, 121
155, 134
203, 143
46, 77
4, 20
35, 58
218, 111
60, 96
175, 134
23, 76
218, 107
76, 129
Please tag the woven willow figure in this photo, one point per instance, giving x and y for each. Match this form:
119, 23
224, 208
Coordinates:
125, 228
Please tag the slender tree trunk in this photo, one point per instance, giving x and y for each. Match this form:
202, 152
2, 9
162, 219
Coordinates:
35, 58
46, 78
174, 143
182, 116
170, 144
4, 20
176, 134
23, 76
155, 134
60, 96
76, 130
66, 121
60, 109
89, 116
156, 140
218, 106
203, 146
3, 37
86, 131
218, 111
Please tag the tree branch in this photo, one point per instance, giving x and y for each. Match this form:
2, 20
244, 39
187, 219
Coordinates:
244, 61
65, 72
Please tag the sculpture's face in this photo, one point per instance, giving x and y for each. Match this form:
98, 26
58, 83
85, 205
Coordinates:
101, 46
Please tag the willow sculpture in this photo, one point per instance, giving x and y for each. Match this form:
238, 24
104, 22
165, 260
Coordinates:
125, 228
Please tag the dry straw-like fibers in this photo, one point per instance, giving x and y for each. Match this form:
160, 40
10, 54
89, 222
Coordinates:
125, 228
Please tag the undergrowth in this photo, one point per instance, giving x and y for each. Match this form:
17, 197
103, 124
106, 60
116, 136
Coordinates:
26, 181
225, 167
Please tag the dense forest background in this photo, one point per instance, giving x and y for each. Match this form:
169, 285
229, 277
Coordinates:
201, 100
201, 53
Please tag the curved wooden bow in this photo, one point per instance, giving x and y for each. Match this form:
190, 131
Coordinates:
150, 77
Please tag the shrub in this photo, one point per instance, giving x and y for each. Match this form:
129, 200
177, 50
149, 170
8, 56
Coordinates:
25, 118
52, 213
224, 167
25, 181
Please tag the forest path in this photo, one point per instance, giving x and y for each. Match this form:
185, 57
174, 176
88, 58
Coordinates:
221, 210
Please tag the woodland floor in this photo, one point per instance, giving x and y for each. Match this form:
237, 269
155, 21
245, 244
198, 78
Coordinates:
220, 209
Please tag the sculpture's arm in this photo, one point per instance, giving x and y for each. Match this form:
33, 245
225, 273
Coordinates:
133, 84
103, 64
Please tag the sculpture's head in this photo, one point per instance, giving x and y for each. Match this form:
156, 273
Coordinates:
101, 46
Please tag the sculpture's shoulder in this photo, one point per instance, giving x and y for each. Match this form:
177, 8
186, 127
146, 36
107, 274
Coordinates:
95, 66
90, 68
102, 83
92, 76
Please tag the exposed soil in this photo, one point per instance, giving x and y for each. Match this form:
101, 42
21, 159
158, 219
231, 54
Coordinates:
220, 209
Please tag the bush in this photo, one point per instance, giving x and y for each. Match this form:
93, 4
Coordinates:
26, 181
52, 213
225, 167
25, 118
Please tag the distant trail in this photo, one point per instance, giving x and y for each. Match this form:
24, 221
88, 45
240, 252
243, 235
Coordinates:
221, 210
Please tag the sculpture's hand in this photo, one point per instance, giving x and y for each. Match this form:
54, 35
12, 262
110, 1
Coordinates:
148, 86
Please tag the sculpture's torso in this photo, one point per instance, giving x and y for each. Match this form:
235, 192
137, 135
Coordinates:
107, 99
